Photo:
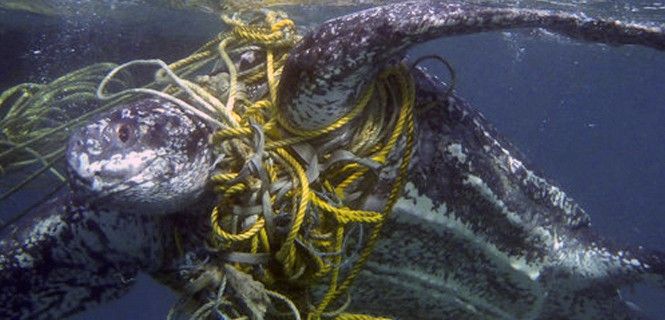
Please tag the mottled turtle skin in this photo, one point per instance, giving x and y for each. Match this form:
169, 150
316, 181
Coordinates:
475, 235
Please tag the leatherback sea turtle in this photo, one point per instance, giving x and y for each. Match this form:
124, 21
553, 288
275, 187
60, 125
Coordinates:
475, 234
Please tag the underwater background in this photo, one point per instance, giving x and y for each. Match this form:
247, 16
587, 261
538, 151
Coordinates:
589, 117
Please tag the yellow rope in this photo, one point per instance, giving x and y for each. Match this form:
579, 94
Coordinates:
350, 316
247, 234
357, 109
255, 35
295, 264
190, 60
260, 74
276, 195
287, 252
270, 73
405, 122
332, 287
276, 187
346, 215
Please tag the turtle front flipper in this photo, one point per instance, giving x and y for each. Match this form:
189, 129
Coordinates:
327, 72
62, 259
479, 235
131, 171
585, 275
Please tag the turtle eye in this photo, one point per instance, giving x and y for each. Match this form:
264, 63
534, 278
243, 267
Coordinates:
123, 133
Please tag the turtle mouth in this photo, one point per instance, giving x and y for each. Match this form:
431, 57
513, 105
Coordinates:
106, 175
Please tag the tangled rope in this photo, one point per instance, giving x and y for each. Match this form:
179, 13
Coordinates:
289, 208
281, 195
285, 193
35, 123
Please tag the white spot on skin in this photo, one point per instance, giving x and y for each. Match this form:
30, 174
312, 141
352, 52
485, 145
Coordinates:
456, 151
51, 225
83, 163
24, 260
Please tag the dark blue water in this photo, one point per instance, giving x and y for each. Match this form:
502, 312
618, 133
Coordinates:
589, 117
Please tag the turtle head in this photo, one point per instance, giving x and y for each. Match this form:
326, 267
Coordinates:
148, 156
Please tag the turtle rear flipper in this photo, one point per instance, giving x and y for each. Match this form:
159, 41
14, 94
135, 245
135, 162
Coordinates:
601, 261
585, 280
601, 301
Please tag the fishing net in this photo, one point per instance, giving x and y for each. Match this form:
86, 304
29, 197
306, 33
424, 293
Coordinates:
287, 232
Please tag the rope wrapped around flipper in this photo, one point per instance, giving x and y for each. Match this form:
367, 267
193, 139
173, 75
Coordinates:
280, 194
289, 211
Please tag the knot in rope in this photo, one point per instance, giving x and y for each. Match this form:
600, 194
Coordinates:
289, 208
279, 195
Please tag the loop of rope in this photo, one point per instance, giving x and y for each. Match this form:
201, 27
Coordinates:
245, 235
293, 199
306, 214
280, 198
451, 70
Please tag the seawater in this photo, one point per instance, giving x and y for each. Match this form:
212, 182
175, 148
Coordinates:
589, 117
